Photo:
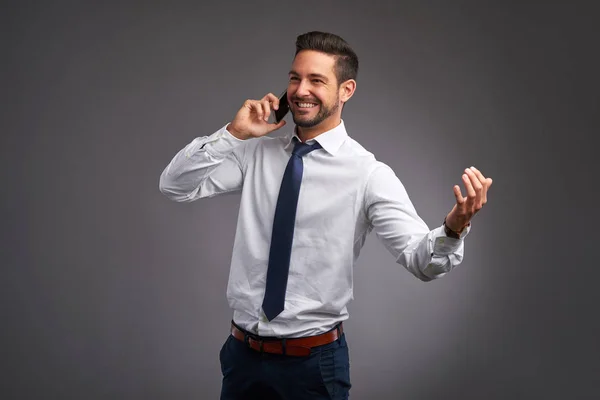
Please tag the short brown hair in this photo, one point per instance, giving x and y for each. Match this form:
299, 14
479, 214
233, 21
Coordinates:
346, 63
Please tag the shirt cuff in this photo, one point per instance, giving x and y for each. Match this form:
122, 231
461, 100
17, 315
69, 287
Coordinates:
443, 244
222, 143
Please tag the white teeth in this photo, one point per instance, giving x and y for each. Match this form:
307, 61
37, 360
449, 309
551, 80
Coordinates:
306, 105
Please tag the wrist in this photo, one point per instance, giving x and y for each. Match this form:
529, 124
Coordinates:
453, 232
238, 135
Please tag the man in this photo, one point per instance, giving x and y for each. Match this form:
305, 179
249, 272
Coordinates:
309, 199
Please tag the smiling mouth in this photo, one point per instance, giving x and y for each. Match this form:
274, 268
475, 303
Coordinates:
303, 105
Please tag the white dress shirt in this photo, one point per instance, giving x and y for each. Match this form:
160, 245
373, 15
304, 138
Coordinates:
345, 194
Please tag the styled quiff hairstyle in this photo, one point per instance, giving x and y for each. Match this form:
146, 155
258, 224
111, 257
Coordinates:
346, 63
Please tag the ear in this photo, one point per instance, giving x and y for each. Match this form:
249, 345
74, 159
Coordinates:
347, 89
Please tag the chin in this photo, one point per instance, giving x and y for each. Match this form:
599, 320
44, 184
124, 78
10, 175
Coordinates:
305, 123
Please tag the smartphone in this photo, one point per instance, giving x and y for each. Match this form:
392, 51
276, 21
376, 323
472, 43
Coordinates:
284, 107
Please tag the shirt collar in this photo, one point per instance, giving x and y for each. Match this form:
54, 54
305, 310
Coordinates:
330, 140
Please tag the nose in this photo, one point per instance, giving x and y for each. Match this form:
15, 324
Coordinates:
303, 89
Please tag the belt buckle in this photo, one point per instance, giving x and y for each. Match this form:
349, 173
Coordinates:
248, 338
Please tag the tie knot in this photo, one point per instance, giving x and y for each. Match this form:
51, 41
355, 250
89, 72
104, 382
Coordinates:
302, 149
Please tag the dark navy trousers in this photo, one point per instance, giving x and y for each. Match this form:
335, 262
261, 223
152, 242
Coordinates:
249, 374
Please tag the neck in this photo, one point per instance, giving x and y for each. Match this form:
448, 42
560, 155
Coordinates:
310, 133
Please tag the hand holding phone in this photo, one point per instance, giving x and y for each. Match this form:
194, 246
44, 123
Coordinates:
252, 119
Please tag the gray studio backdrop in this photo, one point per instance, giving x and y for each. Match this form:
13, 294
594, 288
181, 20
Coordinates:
111, 291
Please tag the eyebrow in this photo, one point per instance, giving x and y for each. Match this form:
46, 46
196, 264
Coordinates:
292, 72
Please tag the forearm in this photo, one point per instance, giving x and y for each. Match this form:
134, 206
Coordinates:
434, 255
185, 177
427, 254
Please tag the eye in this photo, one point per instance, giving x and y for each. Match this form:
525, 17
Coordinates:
317, 81
294, 78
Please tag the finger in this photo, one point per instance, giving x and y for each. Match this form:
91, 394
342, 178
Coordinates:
471, 195
479, 175
249, 105
266, 109
274, 100
477, 185
486, 183
478, 188
258, 109
460, 200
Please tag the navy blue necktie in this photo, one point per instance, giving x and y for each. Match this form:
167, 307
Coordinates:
283, 231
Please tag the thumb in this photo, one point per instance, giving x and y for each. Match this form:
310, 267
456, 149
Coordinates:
457, 193
274, 127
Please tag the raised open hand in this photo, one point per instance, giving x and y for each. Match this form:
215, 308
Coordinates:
465, 208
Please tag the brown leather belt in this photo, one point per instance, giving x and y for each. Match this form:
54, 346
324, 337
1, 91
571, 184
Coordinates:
290, 347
